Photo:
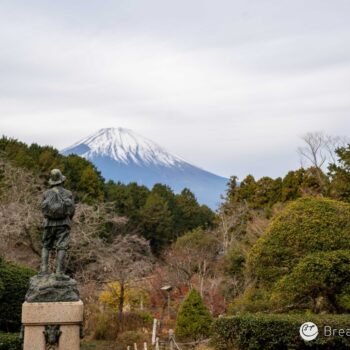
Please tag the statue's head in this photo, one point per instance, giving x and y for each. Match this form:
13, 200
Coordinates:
56, 177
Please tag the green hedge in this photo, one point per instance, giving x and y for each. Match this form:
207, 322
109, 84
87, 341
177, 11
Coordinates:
14, 282
269, 331
10, 341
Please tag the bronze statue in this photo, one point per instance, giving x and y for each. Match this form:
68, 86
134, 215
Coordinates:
58, 210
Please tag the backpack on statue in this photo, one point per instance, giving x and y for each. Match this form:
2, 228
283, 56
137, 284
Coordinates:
56, 206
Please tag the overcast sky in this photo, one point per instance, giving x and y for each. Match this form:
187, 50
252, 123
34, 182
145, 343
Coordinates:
227, 85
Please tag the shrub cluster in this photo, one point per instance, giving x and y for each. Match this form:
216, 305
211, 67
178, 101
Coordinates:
10, 341
272, 331
301, 261
14, 281
307, 225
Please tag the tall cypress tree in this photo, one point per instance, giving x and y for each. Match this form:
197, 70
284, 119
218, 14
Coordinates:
193, 321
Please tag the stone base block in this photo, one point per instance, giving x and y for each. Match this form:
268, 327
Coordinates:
52, 325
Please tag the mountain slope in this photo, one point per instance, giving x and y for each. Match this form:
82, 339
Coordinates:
122, 155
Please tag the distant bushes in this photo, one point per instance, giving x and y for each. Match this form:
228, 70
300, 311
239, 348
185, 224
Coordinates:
13, 287
10, 341
277, 332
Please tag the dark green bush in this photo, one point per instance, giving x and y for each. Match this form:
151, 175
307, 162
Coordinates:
10, 341
193, 321
306, 226
14, 280
277, 332
321, 280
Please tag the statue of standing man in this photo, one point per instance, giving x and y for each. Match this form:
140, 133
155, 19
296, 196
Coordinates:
58, 210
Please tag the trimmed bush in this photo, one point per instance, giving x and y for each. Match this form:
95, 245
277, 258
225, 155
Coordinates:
320, 279
307, 225
14, 281
193, 320
10, 341
277, 332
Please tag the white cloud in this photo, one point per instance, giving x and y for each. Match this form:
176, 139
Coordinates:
229, 86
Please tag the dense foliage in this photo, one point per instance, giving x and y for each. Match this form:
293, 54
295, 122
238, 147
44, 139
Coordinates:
10, 341
307, 225
266, 192
340, 175
321, 278
158, 214
300, 261
277, 332
14, 280
82, 176
193, 320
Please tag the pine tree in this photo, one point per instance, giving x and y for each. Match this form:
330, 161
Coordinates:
156, 222
193, 321
90, 184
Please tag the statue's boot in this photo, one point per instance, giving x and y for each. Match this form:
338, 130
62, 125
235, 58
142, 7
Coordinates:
59, 265
44, 268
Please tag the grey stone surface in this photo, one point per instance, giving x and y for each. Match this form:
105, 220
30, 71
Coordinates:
52, 288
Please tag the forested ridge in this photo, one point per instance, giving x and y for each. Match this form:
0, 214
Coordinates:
157, 214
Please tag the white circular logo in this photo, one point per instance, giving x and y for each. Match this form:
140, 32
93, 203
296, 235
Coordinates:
308, 331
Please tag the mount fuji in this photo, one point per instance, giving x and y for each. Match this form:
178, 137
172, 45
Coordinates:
122, 155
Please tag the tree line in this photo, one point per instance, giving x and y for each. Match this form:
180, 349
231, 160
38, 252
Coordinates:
157, 214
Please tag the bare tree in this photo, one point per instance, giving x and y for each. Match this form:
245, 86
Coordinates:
86, 242
193, 255
233, 219
332, 144
319, 148
20, 218
125, 260
314, 149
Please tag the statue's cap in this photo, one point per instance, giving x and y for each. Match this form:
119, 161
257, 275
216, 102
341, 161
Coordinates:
56, 177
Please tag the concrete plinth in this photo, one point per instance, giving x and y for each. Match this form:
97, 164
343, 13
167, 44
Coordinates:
68, 315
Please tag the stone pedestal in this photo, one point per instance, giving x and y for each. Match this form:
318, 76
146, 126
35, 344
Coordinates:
38, 317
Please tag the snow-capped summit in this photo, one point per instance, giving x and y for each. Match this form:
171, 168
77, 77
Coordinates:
125, 146
123, 155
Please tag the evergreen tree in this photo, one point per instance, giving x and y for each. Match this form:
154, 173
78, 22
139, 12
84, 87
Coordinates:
156, 222
232, 189
193, 321
187, 215
267, 192
340, 175
291, 184
247, 189
90, 185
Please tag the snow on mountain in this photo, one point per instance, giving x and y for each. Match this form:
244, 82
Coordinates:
122, 155
124, 145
